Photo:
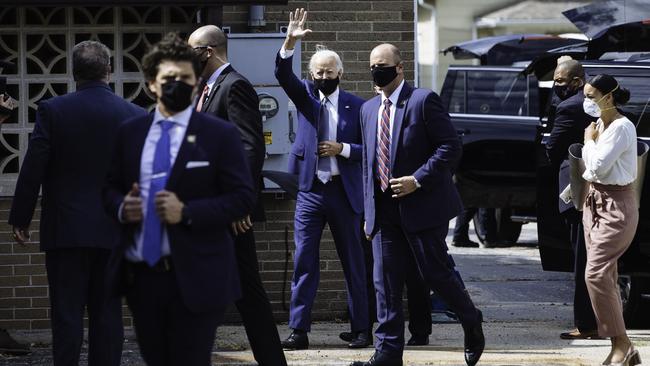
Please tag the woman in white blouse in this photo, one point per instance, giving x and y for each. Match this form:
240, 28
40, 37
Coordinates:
610, 214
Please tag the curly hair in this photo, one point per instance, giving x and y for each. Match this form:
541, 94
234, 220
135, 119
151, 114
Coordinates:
170, 48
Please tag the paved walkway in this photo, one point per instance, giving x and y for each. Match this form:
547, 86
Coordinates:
525, 309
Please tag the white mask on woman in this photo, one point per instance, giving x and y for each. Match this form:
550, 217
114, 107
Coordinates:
591, 107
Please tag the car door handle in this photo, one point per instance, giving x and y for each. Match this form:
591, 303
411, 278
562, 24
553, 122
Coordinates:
463, 131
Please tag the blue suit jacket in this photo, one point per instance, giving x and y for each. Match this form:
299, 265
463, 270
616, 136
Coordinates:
203, 252
424, 144
69, 155
304, 153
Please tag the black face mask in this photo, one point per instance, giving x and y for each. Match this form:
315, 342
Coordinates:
383, 75
326, 86
564, 91
176, 95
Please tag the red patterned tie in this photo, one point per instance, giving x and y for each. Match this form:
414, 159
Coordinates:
202, 98
383, 148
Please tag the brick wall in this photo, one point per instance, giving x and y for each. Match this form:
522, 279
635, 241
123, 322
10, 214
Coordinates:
351, 28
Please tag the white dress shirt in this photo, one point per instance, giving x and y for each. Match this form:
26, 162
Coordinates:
176, 134
333, 110
612, 158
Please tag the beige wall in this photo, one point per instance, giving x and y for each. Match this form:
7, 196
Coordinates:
454, 23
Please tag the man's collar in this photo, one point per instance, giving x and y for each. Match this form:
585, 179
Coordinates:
215, 75
332, 98
93, 84
395, 96
182, 118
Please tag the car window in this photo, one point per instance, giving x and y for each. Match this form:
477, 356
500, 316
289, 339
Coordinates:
497, 93
453, 92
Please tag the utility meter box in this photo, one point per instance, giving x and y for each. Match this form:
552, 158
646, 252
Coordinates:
253, 55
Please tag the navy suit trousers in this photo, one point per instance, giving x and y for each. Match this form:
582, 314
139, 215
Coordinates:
583, 312
77, 280
168, 333
394, 250
327, 203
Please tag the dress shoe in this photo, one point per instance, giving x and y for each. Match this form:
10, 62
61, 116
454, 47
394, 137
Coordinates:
10, 346
297, 340
361, 339
464, 243
577, 334
379, 359
632, 358
474, 341
418, 340
346, 336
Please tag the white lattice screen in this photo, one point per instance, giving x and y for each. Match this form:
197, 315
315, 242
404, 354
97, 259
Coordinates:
39, 41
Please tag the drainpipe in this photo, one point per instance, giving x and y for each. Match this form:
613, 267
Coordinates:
434, 29
256, 19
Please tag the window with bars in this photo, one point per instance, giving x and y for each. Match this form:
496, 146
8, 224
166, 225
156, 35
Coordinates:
39, 40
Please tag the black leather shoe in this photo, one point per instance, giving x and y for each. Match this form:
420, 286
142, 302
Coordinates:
379, 359
464, 243
362, 339
418, 340
297, 340
346, 336
474, 341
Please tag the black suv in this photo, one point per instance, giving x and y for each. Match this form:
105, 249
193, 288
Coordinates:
496, 111
501, 114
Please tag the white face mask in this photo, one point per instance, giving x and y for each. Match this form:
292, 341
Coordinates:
591, 107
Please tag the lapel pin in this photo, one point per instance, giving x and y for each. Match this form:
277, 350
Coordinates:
403, 103
347, 107
191, 139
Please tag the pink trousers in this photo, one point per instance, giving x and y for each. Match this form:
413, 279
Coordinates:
610, 220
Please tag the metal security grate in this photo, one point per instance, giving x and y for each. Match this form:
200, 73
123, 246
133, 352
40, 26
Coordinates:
39, 41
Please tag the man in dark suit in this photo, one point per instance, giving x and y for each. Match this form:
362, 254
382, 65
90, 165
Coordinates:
326, 156
410, 149
569, 123
231, 97
69, 156
178, 180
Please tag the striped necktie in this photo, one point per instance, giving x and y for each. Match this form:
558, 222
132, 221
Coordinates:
383, 148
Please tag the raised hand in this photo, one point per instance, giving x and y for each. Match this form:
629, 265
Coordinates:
296, 29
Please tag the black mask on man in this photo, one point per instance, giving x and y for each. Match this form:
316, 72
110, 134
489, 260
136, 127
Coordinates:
383, 75
326, 86
565, 91
176, 95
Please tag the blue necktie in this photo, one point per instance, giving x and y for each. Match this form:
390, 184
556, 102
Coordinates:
324, 170
153, 228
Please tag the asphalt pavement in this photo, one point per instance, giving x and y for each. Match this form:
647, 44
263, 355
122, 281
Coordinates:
525, 309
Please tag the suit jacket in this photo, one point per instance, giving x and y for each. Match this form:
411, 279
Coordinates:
423, 144
569, 125
234, 99
203, 252
68, 156
304, 152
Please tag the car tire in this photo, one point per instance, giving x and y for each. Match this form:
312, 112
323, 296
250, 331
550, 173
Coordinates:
634, 307
508, 231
